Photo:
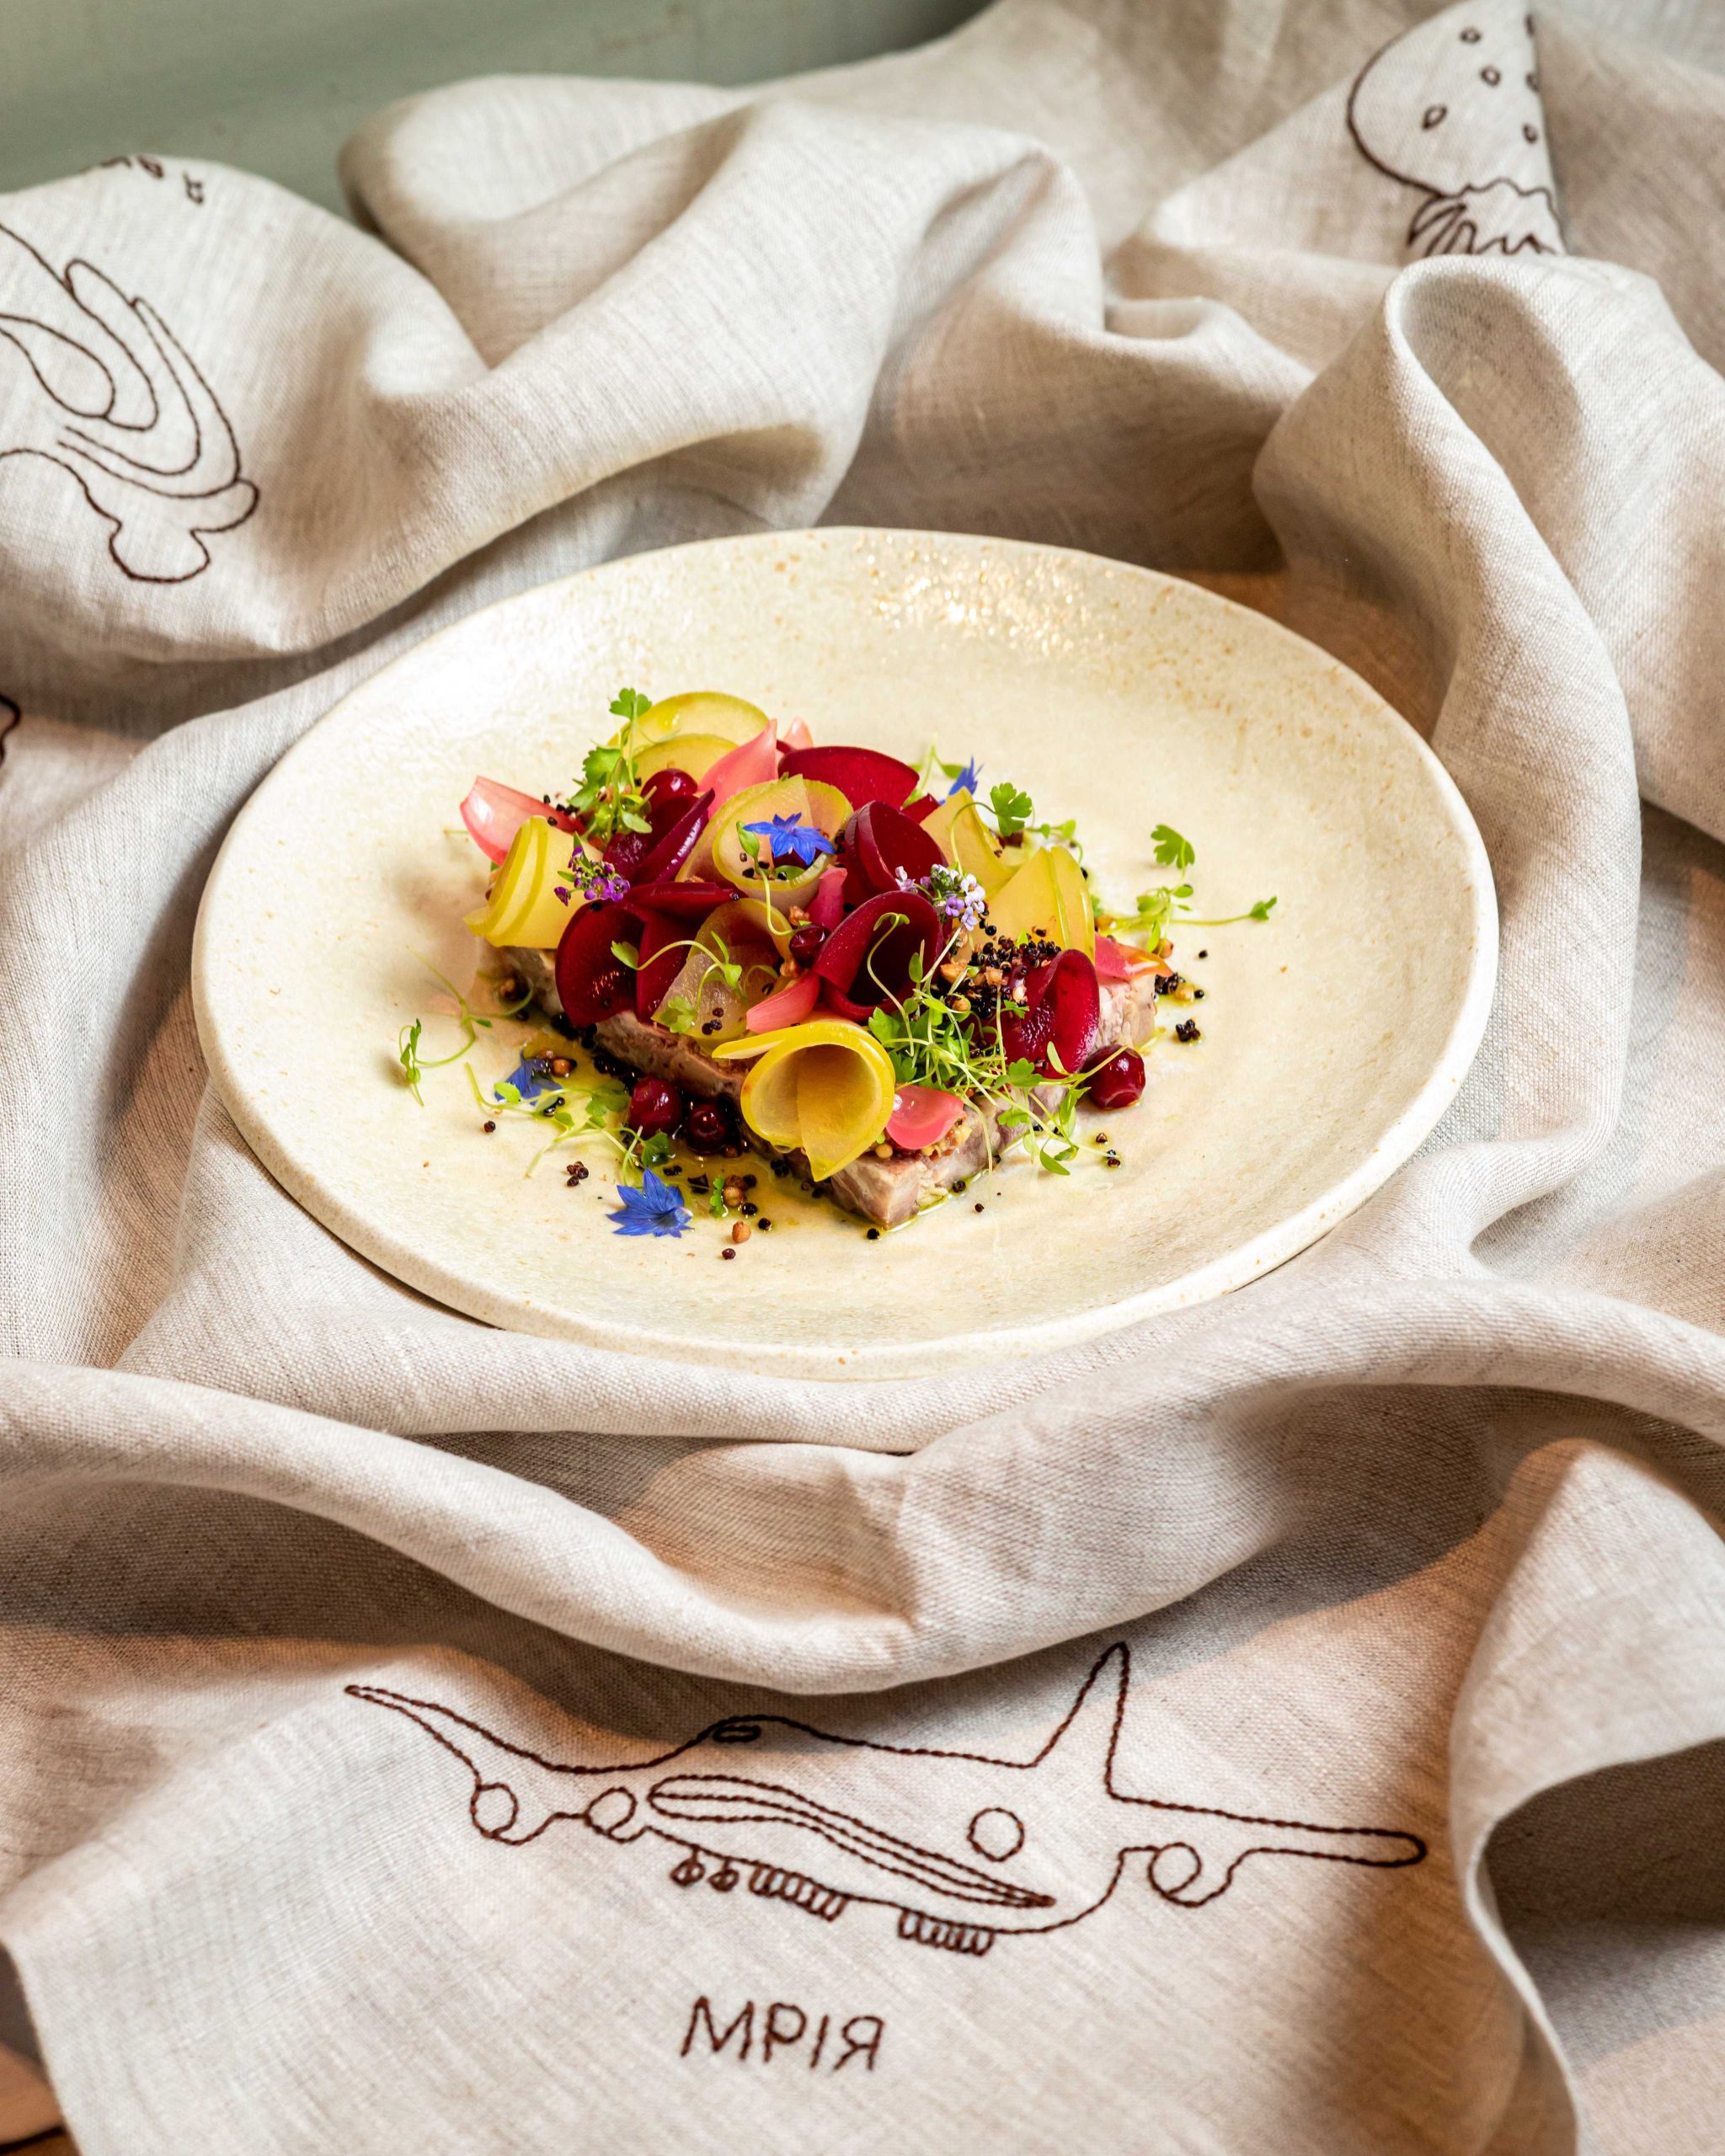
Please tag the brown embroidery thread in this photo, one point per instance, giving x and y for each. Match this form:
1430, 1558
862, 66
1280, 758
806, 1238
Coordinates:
125, 413
887, 1828
1441, 145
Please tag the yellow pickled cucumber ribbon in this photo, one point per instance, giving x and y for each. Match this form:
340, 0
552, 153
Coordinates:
825, 1088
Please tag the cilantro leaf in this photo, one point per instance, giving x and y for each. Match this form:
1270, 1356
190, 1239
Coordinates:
1172, 850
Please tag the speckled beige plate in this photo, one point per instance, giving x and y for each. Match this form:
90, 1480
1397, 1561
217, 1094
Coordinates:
1333, 1037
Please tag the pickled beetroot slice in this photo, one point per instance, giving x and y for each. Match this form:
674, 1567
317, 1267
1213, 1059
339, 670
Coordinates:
662, 945
691, 901
922, 1116
1062, 1017
865, 962
493, 813
674, 822
789, 1005
861, 775
592, 982
881, 841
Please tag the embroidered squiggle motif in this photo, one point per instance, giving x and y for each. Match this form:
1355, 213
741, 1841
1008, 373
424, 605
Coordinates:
114, 399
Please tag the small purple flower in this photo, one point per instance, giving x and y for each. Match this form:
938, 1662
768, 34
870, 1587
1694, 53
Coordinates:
594, 881
560, 891
655, 1210
789, 839
966, 781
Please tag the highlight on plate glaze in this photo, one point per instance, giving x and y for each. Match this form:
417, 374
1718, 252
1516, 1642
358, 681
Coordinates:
113, 400
963, 1846
1452, 108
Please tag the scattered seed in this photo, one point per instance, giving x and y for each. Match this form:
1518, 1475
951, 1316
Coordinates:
1186, 1030
728, 1251
740, 1232
750, 1209
561, 1066
884, 1151
763, 1223
977, 1208
488, 1126
1204, 954
874, 1235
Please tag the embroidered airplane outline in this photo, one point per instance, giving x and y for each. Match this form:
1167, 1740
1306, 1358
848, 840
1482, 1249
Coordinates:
899, 1825
119, 404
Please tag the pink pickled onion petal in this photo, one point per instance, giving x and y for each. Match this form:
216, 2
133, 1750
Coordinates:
826, 909
922, 1116
789, 1005
797, 735
1111, 962
752, 762
493, 813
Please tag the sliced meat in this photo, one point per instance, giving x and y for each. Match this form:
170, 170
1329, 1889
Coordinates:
886, 1192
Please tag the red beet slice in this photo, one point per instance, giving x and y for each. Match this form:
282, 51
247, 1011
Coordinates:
592, 982
861, 775
663, 944
677, 843
864, 964
1063, 1016
880, 841
922, 808
690, 901
655, 855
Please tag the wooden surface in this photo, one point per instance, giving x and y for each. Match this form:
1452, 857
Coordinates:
275, 85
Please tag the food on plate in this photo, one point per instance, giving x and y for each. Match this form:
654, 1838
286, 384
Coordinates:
742, 941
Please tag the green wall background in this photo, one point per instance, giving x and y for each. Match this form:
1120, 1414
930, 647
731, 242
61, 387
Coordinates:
275, 85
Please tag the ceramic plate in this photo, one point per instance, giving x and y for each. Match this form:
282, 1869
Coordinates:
1334, 1036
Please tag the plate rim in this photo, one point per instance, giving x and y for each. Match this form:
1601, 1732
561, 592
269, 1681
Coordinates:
877, 1361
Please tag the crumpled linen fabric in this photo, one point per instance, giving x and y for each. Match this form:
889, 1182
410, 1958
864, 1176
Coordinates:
311, 1588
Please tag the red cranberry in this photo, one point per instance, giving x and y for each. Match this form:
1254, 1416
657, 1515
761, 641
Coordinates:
806, 942
707, 1126
668, 785
654, 1106
1119, 1081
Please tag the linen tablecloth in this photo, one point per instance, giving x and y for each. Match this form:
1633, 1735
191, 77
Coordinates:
1404, 327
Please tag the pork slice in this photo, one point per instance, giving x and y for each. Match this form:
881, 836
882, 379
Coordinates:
886, 1192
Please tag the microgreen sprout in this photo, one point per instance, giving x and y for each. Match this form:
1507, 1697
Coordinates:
472, 1022
1172, 850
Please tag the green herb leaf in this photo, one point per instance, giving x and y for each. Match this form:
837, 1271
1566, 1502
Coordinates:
627, 954
630, 704
1172, 850
715, 1200
1261, 911
1013, 808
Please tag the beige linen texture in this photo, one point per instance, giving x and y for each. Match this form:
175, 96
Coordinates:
1418, 1533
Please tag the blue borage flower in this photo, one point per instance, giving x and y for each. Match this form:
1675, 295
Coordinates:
531, 1077
789, 839
655, 1210
966, 781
